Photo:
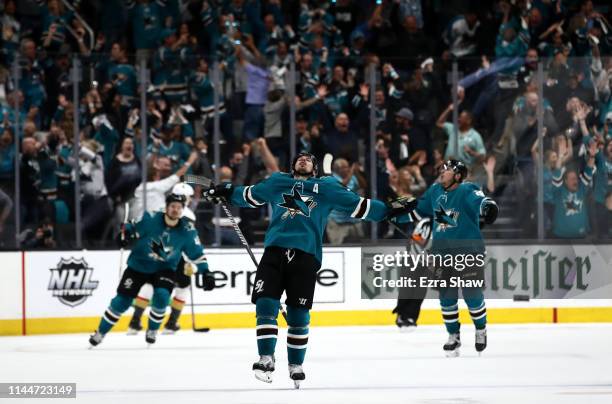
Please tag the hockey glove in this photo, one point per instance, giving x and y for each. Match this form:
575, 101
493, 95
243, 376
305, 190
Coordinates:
400, 206
208, 281
490, 211
219, 193
125, 236
189, 269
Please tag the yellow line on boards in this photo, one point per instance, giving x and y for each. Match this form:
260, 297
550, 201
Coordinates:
318, 318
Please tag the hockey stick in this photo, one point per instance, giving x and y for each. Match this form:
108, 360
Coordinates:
327, 163
206, 182
246, 245
126, 214
193, 325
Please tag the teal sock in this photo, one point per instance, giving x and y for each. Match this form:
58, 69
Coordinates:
118, 306
159, 302
478, 312
450, 314
266, 310
298, 320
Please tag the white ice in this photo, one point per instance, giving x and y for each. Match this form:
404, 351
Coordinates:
523, 364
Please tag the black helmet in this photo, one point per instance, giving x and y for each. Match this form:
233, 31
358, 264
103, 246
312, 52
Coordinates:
457, 166
315, 165
176, 198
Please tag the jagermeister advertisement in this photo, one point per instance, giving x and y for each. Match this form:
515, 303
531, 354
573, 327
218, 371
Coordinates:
501, 271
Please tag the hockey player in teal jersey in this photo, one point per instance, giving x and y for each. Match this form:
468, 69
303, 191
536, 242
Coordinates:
301, 204
456, 208
161, 238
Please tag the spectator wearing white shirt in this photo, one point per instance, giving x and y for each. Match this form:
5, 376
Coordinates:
159, 183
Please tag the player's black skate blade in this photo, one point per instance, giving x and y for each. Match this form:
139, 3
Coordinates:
297, 375
481, 341
263, 369
405, 324
134, 329
95, 339
150, 337
170, 329
451, 348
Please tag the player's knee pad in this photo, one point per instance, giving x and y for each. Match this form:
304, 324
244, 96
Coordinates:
266, 307
181, 294
120, 303
298, 316
160, 299
146, 292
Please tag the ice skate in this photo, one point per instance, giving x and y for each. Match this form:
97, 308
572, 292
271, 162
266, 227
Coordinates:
171, 328
134, 328
405, 324
263, 368
451, 348
150, 337
296, 373
481, 340
95, 339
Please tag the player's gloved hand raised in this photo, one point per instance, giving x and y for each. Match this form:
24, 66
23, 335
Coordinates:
401, 206
208, 281
219, 193
489, 211
125, 236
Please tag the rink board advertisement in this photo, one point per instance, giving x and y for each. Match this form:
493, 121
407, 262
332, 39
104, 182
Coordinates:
70, 283
506, 272
81, 283
234, 273
73, 288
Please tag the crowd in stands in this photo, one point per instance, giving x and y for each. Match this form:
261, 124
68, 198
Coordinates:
516, 60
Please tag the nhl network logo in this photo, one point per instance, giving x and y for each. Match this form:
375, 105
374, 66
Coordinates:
71, 281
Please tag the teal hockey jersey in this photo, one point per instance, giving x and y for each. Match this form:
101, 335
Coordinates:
455, 215
159, 246
300, 208
571, 218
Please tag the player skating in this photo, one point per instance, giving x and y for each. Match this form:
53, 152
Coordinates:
456, 208
161, 239
301, 204
182, 279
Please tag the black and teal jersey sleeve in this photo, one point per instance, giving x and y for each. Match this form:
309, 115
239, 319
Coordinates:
194, 250
345, 200
475, 198
254, 196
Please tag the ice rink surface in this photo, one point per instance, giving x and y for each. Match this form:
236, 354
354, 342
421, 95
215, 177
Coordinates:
550, 363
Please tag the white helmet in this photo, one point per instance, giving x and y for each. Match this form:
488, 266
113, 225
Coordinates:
183, 188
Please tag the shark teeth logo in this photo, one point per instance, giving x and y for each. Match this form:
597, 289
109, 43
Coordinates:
297, 204
445, 218
71, 281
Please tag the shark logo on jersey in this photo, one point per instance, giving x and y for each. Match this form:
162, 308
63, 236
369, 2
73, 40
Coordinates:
297, 204
158, 251
573, 205
445, 218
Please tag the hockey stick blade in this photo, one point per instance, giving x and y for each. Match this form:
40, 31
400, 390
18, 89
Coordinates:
327, 163
198, 180
203, 329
